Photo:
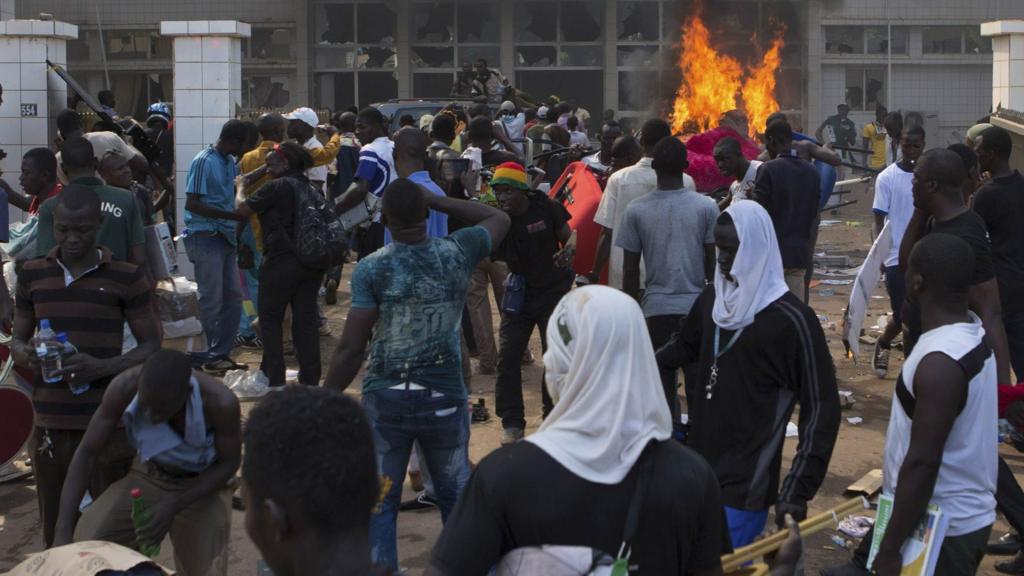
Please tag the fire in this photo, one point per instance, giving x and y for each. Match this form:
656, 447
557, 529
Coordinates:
713, 81
759, 88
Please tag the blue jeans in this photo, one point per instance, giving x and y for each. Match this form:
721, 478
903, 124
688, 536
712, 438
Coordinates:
220, 294
251, 279
441, 425
745, 525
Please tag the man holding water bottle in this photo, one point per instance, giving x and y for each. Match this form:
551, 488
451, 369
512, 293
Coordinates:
86, 296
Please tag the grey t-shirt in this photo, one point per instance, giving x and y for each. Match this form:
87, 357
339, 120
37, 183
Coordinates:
670, 228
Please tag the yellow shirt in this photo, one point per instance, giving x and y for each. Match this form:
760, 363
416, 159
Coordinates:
876, 138
257, 158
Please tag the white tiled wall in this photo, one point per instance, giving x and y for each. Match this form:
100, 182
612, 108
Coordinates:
25, 45
207, 90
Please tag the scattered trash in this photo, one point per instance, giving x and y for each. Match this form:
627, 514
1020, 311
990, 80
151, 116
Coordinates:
826, 292
841, 542
846, 399
837, 282
247, 383
855, 421
856, 526
792, 431
854, 224
827, 223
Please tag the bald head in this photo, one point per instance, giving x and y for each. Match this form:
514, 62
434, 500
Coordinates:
164, 384
945, 168
410, 149
272, 126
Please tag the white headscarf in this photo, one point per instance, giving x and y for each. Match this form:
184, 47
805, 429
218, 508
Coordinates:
603, 378
756, 272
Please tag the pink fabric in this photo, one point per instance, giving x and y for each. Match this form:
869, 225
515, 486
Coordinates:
699, 151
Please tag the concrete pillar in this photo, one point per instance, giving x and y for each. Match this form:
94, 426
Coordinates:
814, 46
33, 95
6, 9
207, 92
611, 65
1007, 63
403, 72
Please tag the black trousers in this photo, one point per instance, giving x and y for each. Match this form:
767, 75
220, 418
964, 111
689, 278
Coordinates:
369, 240
51, 461
284, 281
514, 336
661, 329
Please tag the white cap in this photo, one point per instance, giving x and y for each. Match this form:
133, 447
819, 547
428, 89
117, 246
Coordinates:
305, 114
542, 112
508, 105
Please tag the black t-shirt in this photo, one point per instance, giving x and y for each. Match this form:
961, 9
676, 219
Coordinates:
971, 228
532, 242
275, 204
520, 496
1000, 203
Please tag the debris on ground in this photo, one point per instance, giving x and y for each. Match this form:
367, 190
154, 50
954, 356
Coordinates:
856, 526
855, 421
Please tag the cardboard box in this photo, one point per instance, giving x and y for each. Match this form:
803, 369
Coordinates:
161, 254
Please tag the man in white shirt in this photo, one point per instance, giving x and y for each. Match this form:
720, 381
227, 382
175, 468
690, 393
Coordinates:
514, 123
623, 187
941, 445
894, 203
731, 162
302, 124
576, 138
376, 169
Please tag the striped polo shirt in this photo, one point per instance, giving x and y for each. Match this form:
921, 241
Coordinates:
92, 310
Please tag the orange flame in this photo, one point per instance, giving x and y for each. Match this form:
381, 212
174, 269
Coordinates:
712, 81
759, 88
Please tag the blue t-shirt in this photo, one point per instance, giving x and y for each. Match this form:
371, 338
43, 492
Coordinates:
211, 176
419, 291
437, 222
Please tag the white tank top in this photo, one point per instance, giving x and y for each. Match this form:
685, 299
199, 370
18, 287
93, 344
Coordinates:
966, 484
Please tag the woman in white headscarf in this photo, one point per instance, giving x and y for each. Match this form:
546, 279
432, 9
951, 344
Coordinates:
760, 350
573, 482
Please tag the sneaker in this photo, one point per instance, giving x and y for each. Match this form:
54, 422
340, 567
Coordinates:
881, 360
1013, 566
1006, 545
331, 292
422, 501
248, 342
848, 569
511, 436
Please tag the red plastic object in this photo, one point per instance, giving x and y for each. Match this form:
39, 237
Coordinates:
579, 191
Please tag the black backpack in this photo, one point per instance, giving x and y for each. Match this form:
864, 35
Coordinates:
320, 241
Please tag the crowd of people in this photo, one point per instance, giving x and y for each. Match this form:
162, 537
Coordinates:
437, 213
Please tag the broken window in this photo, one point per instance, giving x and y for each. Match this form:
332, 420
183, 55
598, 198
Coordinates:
582, 55
271, 44
336, 23
637, 21
534, 56
432, 57
334, 58
478, 22
433, 22
844, 40
376, 23
580, 21
877, 39
975, 43
376, 57
266, 91
128, 44
536, 22
491, 54
641, 56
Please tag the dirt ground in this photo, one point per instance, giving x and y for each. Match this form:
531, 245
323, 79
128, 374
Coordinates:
858, 449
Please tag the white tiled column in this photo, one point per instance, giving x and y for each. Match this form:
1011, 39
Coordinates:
207, 92
1007, 63
33, 95
6, 9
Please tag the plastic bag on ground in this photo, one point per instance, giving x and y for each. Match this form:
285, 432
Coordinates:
250, 383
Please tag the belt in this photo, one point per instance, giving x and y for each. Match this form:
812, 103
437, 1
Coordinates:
408, 386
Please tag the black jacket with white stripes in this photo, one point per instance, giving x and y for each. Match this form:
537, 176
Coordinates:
779, 360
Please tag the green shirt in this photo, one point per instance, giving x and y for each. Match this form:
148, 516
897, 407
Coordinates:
122, 224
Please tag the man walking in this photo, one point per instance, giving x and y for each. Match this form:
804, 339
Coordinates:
186, 427
673, 230
1000, 203
375, 171
408, 297
538, 250
210, 242
761, 351
732, 163
894, 204
623, 187
787, 187
82, 291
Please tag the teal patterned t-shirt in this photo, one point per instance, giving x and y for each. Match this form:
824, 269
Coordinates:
419, 291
